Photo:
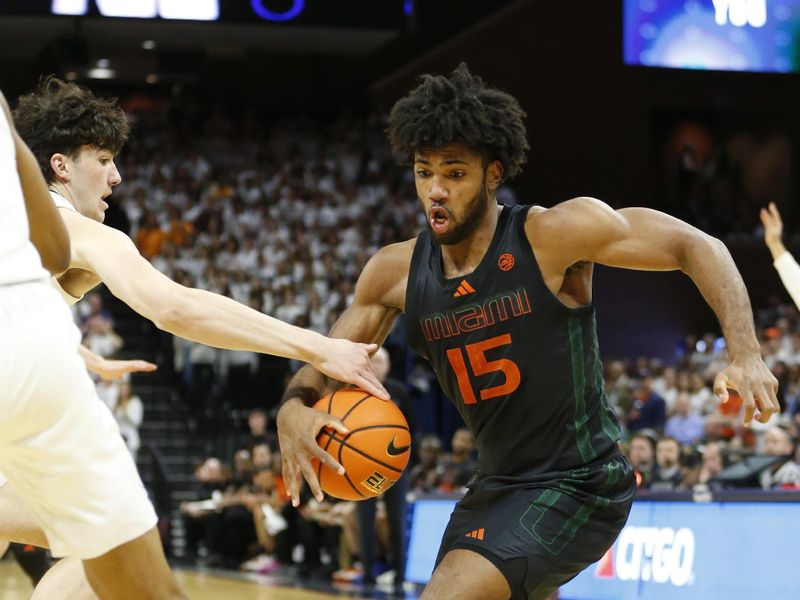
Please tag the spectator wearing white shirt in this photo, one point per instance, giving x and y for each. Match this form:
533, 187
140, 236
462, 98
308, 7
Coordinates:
129, 412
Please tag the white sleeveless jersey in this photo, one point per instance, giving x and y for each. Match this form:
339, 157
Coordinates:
61, 202
19, 260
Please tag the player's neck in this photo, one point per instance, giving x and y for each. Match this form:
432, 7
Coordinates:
463, 258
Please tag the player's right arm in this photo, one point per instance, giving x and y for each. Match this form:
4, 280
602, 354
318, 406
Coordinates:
47, 231
205, 317
784, 262
379, 298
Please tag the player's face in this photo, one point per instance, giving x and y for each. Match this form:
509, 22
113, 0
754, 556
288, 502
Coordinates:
92, 175
451, 185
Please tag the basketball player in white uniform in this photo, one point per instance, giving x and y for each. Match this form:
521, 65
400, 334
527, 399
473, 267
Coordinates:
81, 175
59, 447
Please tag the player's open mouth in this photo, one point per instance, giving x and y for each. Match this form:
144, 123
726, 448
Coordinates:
439, 219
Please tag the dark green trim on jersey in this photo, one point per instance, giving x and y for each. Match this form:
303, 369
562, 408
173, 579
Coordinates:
607, 420
582, 436
567, 494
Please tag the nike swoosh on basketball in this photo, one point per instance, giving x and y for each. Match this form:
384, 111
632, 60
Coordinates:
393, 450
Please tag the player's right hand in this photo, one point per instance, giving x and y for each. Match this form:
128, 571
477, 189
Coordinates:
298, 427
350, 362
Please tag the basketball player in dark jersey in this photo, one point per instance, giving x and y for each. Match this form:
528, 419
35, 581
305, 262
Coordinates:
499, 300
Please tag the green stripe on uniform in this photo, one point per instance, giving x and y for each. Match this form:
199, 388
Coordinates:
607, 421
584, 440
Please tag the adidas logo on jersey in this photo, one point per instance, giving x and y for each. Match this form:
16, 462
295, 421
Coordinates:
476, 534
464, 289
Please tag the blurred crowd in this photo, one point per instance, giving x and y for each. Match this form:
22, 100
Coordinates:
679, 435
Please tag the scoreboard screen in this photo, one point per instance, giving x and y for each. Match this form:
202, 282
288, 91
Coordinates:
720, 35
371, 14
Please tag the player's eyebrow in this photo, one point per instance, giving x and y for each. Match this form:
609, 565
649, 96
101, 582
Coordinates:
447, 161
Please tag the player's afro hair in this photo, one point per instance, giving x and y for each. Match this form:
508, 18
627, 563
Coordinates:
60, 117
459, 109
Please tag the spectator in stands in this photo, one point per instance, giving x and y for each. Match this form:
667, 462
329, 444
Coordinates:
648, 409
685, 426
690, 465
618, 387
150, 237
667, 474
108, 392
666, 386
257, 431
233, 534
92, 307
713, 463
778, 442
128, 412
180, 231
723, 423
702, 399
212, 478
271, 526
101, 338
459, 466
261, 455
641, 454
394, 499
426, 476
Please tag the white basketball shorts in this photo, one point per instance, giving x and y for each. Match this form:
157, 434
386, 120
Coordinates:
60, 447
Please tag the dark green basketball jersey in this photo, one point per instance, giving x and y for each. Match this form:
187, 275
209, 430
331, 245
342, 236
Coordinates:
521, 368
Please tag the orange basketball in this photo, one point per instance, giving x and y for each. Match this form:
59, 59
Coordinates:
373, 454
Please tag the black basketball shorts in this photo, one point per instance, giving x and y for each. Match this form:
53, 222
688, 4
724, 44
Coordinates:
541, 533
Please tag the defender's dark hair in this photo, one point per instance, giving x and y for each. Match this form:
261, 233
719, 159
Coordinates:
60, 117
459, 109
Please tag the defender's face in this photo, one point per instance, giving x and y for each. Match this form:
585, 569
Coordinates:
92, 175
451, 185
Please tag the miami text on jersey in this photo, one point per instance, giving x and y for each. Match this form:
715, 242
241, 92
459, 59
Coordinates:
472, 317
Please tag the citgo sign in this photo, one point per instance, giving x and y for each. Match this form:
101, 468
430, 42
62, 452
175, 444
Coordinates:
694, 551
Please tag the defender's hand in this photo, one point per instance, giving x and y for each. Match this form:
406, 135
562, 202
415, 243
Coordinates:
346, 361
298, 427
755, 384
773, 225
110, 370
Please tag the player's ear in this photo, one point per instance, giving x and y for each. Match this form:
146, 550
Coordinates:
60, 165
494, 175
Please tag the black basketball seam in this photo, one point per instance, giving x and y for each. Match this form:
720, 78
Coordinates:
330, 401
319, 466
355, 406
343, 443
366, 427
346, 476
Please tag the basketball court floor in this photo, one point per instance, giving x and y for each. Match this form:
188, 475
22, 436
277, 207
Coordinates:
199, 585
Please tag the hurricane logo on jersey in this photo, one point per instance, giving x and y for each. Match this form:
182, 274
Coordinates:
506, 261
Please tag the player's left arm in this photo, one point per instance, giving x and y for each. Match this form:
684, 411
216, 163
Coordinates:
649, 240
47, 231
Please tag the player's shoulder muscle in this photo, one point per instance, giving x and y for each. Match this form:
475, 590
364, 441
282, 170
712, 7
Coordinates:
384, 278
